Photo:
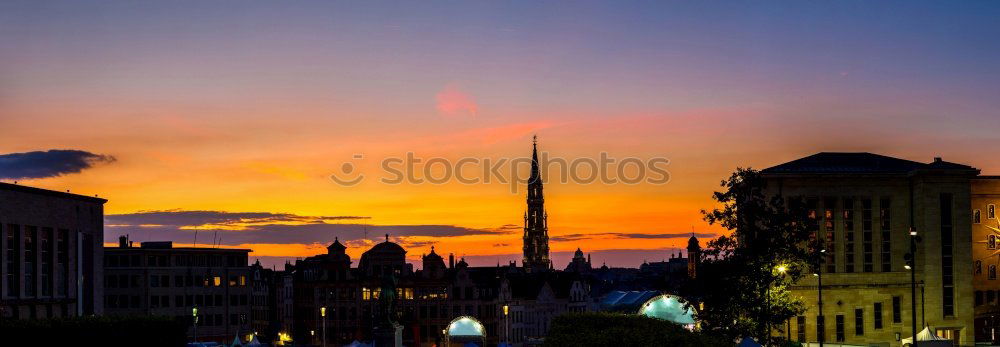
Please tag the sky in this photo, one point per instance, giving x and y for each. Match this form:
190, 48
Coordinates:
227, 119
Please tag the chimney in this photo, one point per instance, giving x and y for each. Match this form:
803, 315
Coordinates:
123, 241
451, 260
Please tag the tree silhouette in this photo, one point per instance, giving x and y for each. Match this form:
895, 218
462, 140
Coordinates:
743, 282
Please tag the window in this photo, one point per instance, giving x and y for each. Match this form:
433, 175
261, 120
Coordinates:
975, 216
859, 322
877, 310
991, 241
885, 216
62, 260
992, 272
800, 321
840, 328
978, 266
991, 212
947, 263
848, 215
897, 315
30, 245
12, 255
866, 235
829, 204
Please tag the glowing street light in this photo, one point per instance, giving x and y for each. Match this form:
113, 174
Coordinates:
506, 324
322, 313
194, 314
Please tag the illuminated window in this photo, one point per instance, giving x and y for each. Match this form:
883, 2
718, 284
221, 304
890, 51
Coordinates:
243, 281
366, 293
408, 294
217, 281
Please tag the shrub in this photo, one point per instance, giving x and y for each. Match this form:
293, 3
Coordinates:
616, 329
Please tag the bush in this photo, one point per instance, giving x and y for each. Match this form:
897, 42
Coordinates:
615, 329
111, 330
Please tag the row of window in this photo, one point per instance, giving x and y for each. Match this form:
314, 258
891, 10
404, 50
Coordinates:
823, 223
157, 301
198, 260
991, 213
36, 242
163, 281
840, 327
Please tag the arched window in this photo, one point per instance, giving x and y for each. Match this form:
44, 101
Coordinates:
993, 272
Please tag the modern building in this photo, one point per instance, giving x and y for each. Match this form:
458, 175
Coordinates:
52, 246
159, 279
864, 206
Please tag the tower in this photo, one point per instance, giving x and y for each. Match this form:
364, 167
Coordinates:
694, 256
536, 229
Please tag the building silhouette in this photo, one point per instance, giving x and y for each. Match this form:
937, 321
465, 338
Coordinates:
536, 228
158, 279
52, 245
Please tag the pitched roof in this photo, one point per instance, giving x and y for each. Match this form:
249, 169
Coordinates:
859, 163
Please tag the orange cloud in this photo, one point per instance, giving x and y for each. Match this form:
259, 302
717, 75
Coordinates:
453, 101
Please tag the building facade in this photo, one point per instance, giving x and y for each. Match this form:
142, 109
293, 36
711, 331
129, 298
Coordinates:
863, 207
51, 245
159, 279
986, 256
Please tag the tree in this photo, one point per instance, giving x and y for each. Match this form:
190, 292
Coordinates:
743, 280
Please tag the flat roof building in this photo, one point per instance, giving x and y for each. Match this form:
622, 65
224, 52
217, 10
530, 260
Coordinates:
51, 244
159, 279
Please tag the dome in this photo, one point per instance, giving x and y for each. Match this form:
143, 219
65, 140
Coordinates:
693, 242
386, 247
578, 254
670, 308
336, 246
433, 256
465, 326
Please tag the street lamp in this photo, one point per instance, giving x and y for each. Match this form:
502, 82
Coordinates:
820, 320
782, 269
194, 313
322, 313
506, 324
911, 264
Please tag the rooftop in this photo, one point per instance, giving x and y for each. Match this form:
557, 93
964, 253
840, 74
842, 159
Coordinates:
860, 163
53, 193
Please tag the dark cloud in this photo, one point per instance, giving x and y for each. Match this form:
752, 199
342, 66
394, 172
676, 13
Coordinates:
577, 237
51, 163
234, 228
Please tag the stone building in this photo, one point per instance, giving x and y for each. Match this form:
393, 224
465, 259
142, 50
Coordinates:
427, 300
986, 256
52, 245
864, 206
159, 279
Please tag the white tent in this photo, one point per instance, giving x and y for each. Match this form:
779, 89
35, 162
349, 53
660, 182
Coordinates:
927, 338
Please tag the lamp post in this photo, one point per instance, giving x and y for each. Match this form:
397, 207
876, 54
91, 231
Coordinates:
820, 320
194, 314
506, 324
782, 269
911, 264
322, 313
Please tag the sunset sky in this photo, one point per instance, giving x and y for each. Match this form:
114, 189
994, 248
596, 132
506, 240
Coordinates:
229, 117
